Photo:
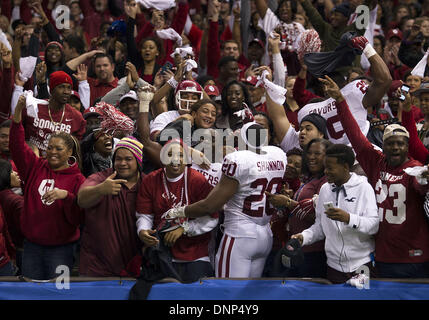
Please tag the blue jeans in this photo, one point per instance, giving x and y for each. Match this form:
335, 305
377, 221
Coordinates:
40, 262
402, 270
7, 270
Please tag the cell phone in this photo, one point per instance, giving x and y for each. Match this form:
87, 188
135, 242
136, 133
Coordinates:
328, 205
166, 66
404, 89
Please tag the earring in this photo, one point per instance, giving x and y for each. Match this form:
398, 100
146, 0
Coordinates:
74, 161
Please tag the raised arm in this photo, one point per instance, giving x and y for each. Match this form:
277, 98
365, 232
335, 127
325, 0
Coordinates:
74, 63
300, 94
315, 18
379, 72
416, 148
6, 82
365, 152
151, 148
277, 113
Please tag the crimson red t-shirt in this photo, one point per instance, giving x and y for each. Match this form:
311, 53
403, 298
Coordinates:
153, 199
39, 130
403, 235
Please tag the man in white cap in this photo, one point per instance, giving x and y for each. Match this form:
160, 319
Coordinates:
402, 241
129, 105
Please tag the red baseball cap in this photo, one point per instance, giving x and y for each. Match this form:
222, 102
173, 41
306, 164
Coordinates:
91, 112
76, 94
258, 41
252, 80
394, 33
211, 90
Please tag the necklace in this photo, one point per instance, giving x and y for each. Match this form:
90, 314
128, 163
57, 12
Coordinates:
62, 116
184, 189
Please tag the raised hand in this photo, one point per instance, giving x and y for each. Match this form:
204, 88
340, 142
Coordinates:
359, 42
133, 71
260, 70
81, 72
41, 69
332, 89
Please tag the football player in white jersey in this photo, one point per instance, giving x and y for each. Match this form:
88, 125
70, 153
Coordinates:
247, 174
358, 95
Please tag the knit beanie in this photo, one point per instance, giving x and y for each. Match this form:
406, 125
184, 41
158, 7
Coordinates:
59, 77
318, 121
132, 145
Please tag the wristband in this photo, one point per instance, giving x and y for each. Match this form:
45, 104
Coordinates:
145, 102
144, 106
172, 82
369, 51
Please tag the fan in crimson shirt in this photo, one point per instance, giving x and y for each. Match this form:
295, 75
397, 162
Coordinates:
173, 186
56, 115
402, 242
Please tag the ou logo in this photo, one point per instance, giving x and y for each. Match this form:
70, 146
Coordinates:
45, 186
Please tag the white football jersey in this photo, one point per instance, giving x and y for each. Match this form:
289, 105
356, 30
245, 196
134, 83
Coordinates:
353, 93
212, 175
256, 173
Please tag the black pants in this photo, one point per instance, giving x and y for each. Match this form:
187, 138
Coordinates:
193, 271
314, 266
402, 270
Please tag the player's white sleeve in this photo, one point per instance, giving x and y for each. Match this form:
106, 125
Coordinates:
201, 225
279, 70
290, 140
269, 22
84, 93
315, 232
144, 222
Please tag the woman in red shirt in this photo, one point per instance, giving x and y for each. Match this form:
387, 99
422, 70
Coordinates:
50, 218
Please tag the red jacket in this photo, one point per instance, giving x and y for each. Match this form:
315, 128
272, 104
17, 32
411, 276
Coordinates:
45, 224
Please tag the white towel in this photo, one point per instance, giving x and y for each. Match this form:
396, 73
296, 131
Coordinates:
158, 4
171, 34
27, 65
31, 103
190, 64
417, 172
183, 52
419, 69
276, 93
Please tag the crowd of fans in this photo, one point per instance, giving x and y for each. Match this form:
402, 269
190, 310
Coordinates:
91, 90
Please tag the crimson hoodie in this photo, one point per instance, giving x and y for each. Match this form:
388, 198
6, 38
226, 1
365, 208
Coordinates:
45, 224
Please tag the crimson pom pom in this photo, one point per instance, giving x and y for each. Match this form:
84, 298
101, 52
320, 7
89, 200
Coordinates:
309, 42
114, 120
